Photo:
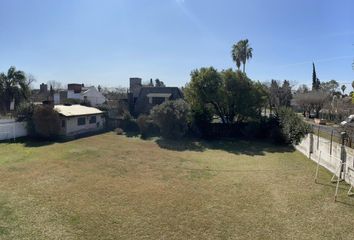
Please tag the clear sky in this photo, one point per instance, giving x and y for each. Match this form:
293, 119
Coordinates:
107, 41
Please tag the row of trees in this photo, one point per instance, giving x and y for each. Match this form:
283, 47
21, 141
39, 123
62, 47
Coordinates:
326, 95
233, 101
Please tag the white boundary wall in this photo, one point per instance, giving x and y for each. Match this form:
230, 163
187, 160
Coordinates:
329, 159
10, 129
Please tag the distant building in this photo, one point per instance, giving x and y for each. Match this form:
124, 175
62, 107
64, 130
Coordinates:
142, 99
74, 91
78, 119
41, 94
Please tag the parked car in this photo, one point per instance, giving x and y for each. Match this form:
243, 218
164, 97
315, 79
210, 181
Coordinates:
350, 119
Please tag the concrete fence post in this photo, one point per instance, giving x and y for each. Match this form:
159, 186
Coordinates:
311, 144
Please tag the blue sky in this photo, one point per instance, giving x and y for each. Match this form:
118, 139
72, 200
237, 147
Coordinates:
106, 42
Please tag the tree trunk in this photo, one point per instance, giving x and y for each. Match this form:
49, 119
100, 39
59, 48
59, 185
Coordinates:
244, 67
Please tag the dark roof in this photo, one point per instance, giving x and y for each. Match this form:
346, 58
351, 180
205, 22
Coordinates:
175, 91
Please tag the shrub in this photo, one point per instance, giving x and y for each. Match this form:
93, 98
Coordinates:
127, 116
291, 126
46, 122
119, 131
71, 101
24, 111
146, 126
172, 118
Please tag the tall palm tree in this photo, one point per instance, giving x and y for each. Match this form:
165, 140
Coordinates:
236, 55
241, 53
13, 87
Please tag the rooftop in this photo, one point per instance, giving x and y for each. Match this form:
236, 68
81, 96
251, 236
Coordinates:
76, 110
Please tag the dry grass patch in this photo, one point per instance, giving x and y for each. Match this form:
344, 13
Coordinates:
114, 187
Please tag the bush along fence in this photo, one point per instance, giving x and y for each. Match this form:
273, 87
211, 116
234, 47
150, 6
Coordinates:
335, 157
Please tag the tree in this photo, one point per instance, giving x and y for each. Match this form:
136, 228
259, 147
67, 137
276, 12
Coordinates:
285, 94
46, 122
236, 55
343, 87
172, 118
159, 83
274, 94
315, 81
279, 95
312, 101
241, 53
14, 86
292, 127
230, 95
55, 84
330, 86
302, 89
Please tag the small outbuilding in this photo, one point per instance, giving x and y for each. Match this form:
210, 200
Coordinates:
78, 119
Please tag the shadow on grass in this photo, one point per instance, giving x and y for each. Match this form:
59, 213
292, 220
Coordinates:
132, 134
28, 142
251, 148
41, 142
181, 145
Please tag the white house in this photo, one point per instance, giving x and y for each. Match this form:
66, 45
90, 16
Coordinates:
93, 96
79, 92
78, 119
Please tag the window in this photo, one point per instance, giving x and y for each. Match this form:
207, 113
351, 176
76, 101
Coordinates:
63, 123
92, 119
81, 121
157, 100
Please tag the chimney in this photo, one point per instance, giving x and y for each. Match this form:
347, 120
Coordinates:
77, 88
43, 88
135, 85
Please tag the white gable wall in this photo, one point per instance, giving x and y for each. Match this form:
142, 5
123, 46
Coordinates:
93, 96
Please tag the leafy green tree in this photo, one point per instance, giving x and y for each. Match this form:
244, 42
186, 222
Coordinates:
292, 127
274, 91
230, 95
172, 118
279, 96
13, 86
203, 92
285, 94
241, 53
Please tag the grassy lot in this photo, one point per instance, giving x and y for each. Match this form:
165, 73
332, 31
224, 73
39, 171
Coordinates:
115, 187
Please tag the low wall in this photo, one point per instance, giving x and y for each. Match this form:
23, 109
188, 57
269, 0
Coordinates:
10, 129
330, 155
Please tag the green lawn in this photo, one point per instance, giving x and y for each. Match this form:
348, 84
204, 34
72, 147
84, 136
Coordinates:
115, 187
